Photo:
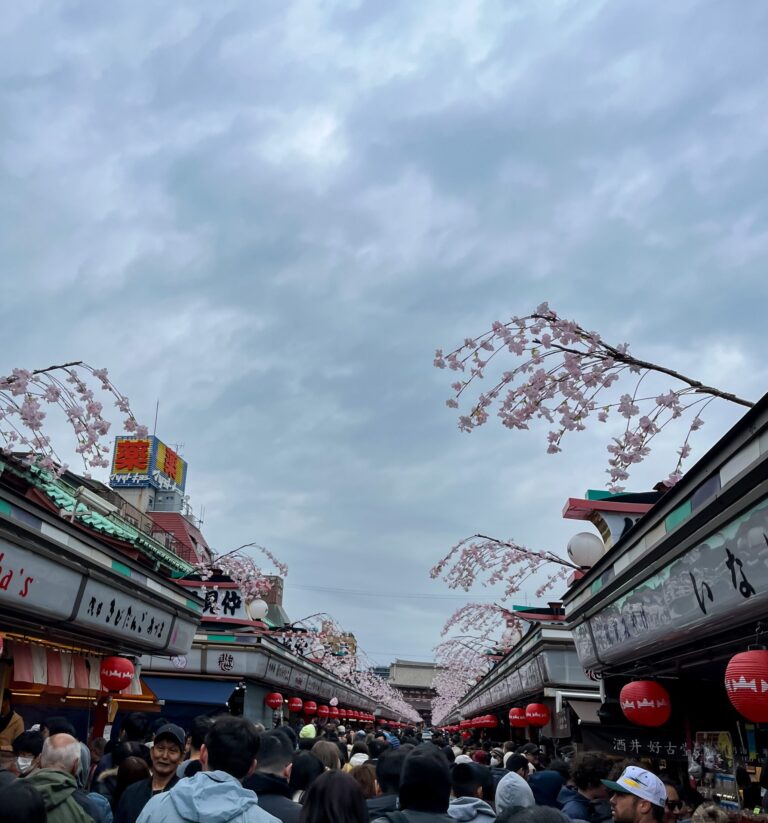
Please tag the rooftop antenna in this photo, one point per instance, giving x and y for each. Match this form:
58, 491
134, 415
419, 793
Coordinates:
202, 514
157, 410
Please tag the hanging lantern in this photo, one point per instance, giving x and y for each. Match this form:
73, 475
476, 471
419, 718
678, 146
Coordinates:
274, 700
517, 718
310, 708
295, 704
746, 683
490, 721
322, 711
645, 703
116, 673
537, 715
343, 714
333, 713
257, 609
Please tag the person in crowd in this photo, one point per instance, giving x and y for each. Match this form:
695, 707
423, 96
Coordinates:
674, 805
376, 747
27, 748
200, 727
532, 814
96, 747
482, 757
365, 775
167, 752
509, 749
562, 768
291, 735
588, 798
131, 770
457, 747
11, 723
270, 780
467, 783
497, 756
709, 813
307, 736
305, 769
133, 730
55, 781
215, 794
518, 764
546, 786
335, 797
425, 787
532, 754
106, 784
388, 769
358, 756
637, 796
513, 791
691, 800
328, 753
60, 725
21, 802
448, 752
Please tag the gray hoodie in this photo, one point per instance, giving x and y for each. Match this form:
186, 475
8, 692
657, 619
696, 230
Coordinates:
207, 797
471, 808
513, 791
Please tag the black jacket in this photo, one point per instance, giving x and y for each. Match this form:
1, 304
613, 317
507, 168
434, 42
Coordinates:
274, 796
135, 798
377, 806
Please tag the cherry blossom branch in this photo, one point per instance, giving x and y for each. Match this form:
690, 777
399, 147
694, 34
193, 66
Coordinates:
580, 366
252, 581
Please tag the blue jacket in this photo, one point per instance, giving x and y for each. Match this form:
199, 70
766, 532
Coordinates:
207, 797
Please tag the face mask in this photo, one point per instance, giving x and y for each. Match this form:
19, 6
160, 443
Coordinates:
495, 762
24, 763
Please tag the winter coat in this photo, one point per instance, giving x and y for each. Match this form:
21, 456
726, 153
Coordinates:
136, 797
12, 730
412, 816
274, 796
106, 785
378, 806
58, 791
471, 808
207, 797
578, 807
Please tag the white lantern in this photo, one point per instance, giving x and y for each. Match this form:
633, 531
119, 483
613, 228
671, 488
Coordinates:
257, 609
585, 549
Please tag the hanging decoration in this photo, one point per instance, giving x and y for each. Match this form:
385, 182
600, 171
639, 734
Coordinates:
274, 700
310, 708
116, 673
517, 718
645, 703
322, 711
746, 683
537, 714
295, 704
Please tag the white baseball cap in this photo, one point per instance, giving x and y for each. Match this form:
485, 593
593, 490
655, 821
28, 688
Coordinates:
641, 783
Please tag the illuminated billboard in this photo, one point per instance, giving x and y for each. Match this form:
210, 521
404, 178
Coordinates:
146, 461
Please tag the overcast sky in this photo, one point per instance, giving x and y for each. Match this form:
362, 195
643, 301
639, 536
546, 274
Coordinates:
269, 214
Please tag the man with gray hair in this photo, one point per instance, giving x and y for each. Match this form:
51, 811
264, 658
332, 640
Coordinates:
55, 781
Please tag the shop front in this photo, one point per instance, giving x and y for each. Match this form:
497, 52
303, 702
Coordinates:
673, 601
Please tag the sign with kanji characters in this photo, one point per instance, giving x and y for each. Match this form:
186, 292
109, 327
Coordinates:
636, 742
140, 462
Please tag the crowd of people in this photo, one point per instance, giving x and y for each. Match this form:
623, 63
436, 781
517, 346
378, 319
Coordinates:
228, 770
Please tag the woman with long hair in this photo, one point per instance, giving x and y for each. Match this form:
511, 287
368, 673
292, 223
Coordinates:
334, 797
305, 769
328, 753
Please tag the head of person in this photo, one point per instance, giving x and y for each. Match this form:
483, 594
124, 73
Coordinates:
27, 748
328, 753
130, 771
365, 775
562, 768
531, 814
467, 780
425, 781
637, 795
531, 753
275, 754
482, 757
290, 734
305, 769
588, 771
97, 746
377, 747
21, 801
389, 767
62, 753
691, 800
231, 746
198, 730
57, 725
518, 764
167, 750
497, 757
135, 727
130, 748
546, 786
674, 805
513, 792
334, 797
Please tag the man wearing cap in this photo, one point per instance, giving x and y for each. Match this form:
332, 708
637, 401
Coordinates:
638, 796
167, 753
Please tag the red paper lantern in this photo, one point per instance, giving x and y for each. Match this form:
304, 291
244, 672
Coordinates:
310, 708
343, 714
517, 718
746, 683
537, 715
333, 713
645, 703
322, 711
274, 700
489, 721
295, 704
116, 673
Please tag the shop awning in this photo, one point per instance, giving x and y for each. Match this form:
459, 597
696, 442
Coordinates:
191, 690
586, 710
